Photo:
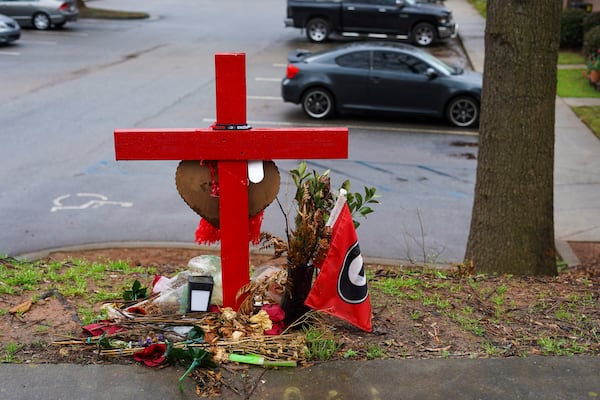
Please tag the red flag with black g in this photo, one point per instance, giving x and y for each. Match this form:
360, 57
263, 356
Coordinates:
340, 288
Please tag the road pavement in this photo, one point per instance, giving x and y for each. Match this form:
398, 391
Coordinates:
577, 218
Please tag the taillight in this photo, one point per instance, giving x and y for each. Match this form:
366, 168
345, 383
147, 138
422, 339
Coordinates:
292, 71
63, 7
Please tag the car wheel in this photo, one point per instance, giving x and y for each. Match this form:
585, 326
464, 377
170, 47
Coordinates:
423, 34
41, 21
463, 111
317, 103
317, 30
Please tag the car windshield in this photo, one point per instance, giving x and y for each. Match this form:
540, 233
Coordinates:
439, 64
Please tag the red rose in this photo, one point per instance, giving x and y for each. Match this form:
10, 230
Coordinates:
152, 356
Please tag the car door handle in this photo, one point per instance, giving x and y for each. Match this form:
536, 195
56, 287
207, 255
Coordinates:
350, 8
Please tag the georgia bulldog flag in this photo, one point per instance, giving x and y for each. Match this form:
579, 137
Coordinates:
340, 288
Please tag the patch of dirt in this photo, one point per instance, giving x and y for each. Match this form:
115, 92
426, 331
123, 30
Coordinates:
417, 314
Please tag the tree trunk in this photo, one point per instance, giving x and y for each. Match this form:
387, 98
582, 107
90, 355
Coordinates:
512, 226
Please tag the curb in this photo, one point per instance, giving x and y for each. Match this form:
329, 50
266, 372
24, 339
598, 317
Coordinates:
38, 255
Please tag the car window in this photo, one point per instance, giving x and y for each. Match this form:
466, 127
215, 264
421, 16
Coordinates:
375, 2
395, 61
356, 59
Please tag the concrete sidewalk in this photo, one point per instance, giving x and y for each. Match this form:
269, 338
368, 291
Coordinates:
548, 378
577, 217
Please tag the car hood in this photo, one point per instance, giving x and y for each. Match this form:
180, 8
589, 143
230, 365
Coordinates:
431, 9
472, 77
4, 18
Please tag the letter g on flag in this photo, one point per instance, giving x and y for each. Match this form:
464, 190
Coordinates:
352, 283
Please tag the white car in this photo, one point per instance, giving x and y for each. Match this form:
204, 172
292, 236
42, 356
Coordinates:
9, 29
41, 14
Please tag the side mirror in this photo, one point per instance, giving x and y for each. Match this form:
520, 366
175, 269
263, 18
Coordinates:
400, 3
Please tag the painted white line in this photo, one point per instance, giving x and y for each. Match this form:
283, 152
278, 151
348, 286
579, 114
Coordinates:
256, 123
280, 65
44, 42
9, 53
270, 98
268, 79
48, 33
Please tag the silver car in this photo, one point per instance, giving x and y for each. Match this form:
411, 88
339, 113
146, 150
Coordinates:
9, 29
41, 14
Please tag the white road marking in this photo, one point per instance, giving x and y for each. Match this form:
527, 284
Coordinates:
50, 33
271, 98
268, 79
97, 200
9, 53
43, 42
256, 123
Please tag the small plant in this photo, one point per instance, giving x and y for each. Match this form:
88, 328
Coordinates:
136, 292
560, 347
320, 345
490, 349
308, 241
375, 351
89, 316
42, 328
350, 353
591, 42
415, 315
7, 354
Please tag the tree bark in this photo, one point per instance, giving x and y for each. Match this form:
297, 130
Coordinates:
512, 225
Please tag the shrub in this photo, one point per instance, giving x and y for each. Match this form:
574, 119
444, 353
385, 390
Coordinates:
591, 20
591, 42
571, 28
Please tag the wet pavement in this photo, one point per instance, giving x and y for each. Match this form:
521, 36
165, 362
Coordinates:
577, 218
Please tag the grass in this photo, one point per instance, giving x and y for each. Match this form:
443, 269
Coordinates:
590, 116
320, 344
567, 57
572, 83
375, 351
480, 6
72, 278
97, 13
487, 307
8, 352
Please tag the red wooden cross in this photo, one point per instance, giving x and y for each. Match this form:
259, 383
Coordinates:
232, 144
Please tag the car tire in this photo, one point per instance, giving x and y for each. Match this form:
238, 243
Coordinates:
423, 34
463, 111
317, 30
41, 21
318, 103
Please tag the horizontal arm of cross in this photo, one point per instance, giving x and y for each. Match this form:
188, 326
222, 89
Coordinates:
211, 144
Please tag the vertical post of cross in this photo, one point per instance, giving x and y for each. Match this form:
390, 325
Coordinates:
230, 73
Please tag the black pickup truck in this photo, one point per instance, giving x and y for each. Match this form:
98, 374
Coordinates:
421, 23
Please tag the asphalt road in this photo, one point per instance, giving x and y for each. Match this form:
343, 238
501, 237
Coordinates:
64, 92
